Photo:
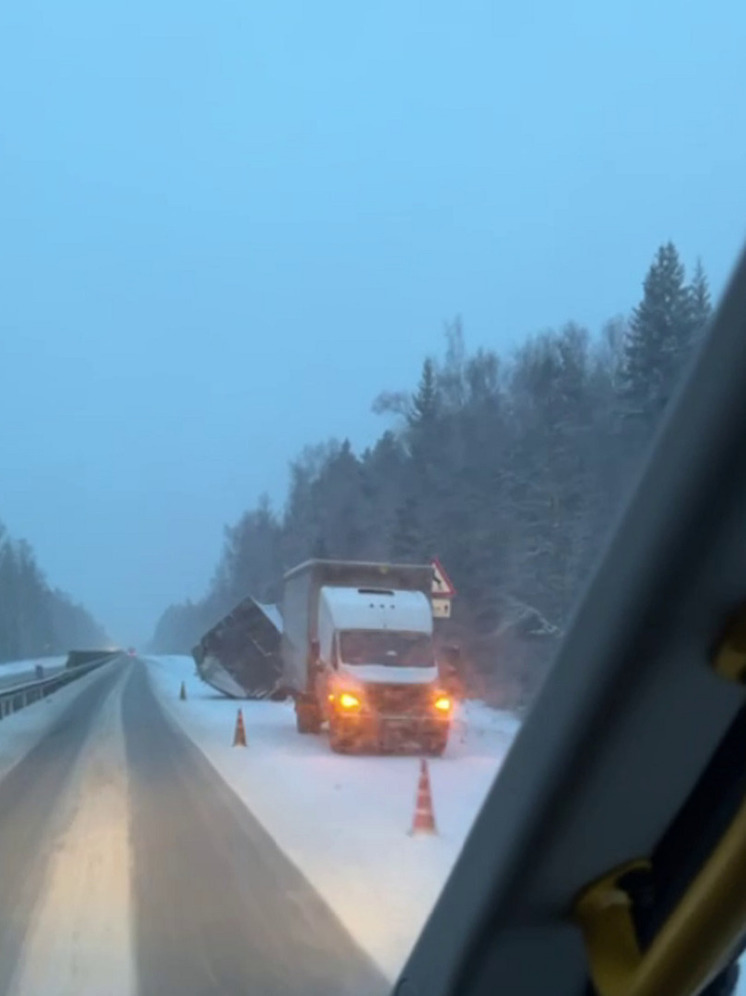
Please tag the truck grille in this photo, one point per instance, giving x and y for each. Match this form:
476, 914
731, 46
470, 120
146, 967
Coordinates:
398, 699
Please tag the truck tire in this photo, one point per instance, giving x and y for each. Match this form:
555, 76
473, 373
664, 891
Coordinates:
307, 717
338, 743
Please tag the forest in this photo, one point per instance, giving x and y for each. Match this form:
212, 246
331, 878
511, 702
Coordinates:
35, 619
510, 468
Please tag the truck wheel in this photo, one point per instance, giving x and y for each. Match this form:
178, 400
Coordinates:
338, 743
307, 717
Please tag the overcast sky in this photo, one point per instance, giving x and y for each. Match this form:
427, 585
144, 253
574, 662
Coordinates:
225, 226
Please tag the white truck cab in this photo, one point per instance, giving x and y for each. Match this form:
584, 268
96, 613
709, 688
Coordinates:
366, 633
368, 666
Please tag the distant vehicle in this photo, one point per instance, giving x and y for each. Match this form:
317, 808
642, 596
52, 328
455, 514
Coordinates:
357, 653
131, 651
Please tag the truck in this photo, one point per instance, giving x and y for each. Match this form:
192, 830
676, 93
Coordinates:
358, 655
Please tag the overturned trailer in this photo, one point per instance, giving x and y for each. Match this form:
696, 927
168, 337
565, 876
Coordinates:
240, 655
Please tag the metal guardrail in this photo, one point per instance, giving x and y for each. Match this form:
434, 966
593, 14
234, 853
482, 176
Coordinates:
19, 696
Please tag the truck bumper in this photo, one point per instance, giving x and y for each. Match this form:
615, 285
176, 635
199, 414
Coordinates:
393, 732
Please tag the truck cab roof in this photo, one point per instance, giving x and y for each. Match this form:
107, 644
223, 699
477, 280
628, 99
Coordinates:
369, 608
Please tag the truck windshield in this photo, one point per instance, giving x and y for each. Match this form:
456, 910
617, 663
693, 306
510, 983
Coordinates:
397, 649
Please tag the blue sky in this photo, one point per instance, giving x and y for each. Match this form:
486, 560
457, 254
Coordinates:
226, 226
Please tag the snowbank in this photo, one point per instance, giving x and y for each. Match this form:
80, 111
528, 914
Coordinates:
344, 821
17, 669
20, 667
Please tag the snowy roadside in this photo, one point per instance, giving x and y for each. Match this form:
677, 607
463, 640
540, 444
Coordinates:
344, 821
22, 730
17, 669
20, 667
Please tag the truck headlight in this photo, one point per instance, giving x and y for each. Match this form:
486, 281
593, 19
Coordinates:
348, 701
442, 703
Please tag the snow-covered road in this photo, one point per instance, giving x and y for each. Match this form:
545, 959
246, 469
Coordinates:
80, 939
129, 866
345, 821
144, 855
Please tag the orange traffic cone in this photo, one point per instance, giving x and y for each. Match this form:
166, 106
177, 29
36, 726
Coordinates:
239, 737
182, 693
424, 817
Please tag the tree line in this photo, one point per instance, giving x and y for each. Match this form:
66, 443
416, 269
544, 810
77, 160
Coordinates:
510, 469
35, 619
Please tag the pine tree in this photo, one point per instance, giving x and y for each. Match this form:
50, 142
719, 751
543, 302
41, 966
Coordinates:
382, 473
701, 304
10, 636
250, 561
407, 543
426, 401
659, 337
452, 378
320, 551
